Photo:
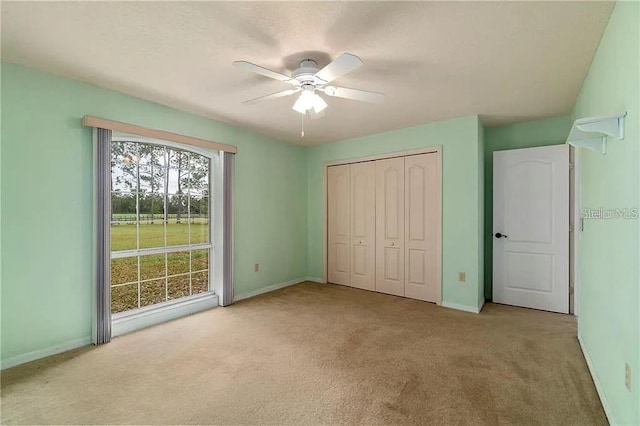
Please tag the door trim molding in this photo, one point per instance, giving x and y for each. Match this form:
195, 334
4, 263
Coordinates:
426, 150
576, 223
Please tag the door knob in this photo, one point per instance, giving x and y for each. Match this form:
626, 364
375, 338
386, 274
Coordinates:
499, 235
393, 244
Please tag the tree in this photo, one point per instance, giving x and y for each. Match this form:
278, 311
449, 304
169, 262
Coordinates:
152, 170
179, 160
153, 174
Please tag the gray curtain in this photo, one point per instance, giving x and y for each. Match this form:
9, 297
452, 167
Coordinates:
227, 228
102, 332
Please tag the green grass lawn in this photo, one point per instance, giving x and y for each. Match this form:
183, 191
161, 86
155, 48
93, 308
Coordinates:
153, 268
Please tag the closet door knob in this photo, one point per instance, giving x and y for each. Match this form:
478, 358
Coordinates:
393, 244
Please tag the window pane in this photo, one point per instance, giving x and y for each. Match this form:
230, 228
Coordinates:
199, 260
124, 177
178, 158
152, 266
124, 297
152, 179
178, 286
199, 207
199, 175
124, 152
151, 220
200, 282
177, 228
152, 154
177, 181
123, 222
151, 208
124, 270
178, 262
152, 292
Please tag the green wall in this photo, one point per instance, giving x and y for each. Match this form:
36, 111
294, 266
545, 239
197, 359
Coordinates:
608, 278
550, 131
47, 196
462, 195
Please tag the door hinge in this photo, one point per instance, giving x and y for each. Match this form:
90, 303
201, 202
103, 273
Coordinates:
570, 289
570, 228
571, 166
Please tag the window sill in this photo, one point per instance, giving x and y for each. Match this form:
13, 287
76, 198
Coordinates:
127, 322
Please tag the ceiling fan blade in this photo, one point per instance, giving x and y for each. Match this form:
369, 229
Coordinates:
272, 96
342, 65
248, 66
354, 94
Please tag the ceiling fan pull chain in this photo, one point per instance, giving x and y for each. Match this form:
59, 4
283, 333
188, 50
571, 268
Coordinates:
302, 132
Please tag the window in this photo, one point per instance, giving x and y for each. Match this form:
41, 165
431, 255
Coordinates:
160, 224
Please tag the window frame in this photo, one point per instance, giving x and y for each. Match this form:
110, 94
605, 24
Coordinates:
129, 320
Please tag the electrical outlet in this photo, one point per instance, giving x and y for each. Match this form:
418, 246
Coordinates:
627, 376
256, 267
462, 277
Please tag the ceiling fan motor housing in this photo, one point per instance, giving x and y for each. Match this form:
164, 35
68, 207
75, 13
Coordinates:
306, 73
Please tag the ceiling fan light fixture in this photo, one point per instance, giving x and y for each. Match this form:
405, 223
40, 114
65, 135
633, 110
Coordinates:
306, 101
318, 103
301, 105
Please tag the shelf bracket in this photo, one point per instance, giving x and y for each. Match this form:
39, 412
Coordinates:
592, 133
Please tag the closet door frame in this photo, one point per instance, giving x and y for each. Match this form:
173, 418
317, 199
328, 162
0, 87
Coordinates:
426, 150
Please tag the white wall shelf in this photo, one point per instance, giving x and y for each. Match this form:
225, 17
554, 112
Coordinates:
592, 132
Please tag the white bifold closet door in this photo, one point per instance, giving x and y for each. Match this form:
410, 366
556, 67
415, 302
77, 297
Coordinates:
363, 225
422, 222
390, 226
383, 225
338, 229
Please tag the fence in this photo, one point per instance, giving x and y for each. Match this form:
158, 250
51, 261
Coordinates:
131, 219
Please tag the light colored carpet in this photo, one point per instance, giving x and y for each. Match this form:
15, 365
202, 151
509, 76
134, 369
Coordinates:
312, 354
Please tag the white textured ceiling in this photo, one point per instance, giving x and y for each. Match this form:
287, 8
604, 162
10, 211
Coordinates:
506, 61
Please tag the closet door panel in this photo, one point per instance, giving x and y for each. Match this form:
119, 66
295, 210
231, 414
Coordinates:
422, 216
363, 225
338, 224
390, 220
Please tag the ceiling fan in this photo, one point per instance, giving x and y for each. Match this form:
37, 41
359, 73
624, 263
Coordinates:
308, 79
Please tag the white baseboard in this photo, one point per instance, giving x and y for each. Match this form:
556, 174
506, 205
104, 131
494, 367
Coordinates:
603, 398
315, 280
481, 306
268, 289
472, 309
43, 353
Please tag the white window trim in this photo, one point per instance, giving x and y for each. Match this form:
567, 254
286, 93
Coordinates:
128, 321
132, 320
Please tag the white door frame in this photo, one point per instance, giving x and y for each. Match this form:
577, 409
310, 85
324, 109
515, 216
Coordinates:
426, 150
575, 221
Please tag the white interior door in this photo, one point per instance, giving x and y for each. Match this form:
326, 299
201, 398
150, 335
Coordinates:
338, 219
390, 226
422, 225
531, 228
363, 225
